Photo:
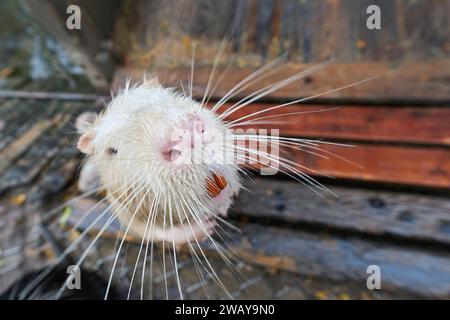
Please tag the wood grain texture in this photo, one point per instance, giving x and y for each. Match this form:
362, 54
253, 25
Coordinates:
358, 123
392, 164
411, 50
38, 145
379, 213
426, 82
417, 271
399, 163
309, 30
420, 272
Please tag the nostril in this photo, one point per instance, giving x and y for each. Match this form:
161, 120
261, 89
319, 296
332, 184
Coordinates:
192, 132
175, 154
171, 155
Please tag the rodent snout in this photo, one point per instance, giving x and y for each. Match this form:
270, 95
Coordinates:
192, 135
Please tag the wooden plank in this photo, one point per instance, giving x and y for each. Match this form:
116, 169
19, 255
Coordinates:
379, 213
427, 167
394, 164
405, 217
411, 82
411, 48
417, 271
38, 146
308, 30
23, 142
361, 123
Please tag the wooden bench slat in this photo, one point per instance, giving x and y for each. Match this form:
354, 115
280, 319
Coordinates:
417, 271
416, 82
379, 213
362, 123
427, 167
324, 256
420, 166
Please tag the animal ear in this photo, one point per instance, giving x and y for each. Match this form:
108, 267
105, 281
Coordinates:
85, 121
85, 144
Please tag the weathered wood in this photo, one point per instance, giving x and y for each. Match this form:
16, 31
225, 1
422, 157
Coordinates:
394, 164
399, 215
357, 123
309, 30
378, 213
420, 272
414, 166
83, 221
413, 83
406, 124
38, 140
411, 47
23, 142
15, 115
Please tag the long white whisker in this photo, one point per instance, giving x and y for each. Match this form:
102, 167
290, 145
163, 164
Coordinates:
174, 251
68, 250
153, 214
201, 250
213, 70
140, 248
86, 251
192, 72
248, 81
163, 251
276, 87
323, 93
124, 236
279, 115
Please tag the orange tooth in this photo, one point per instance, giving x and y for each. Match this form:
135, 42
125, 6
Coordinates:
220, 181
213, 189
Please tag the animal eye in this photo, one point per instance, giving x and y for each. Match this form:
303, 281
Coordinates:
111, 151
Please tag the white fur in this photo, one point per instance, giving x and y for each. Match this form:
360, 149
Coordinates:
138, 123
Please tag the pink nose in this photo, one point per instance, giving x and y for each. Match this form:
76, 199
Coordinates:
192, 133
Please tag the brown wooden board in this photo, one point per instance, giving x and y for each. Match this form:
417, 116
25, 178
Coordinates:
418, 271
428, 167
393, 164
378, 213
37, 144
411, 50
406, 124
379, 82
392, 128
357, 123
421, 272
309, 30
